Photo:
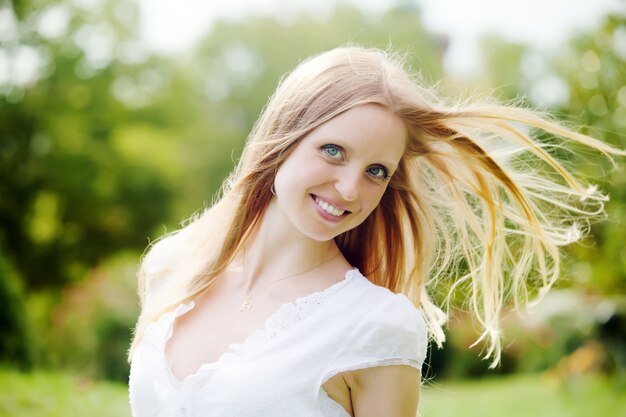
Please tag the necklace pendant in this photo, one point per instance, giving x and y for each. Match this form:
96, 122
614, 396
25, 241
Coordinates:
246, 304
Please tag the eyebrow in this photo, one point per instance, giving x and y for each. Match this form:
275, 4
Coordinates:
389, 165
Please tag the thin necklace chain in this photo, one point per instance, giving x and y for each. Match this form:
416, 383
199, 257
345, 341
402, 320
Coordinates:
247, 303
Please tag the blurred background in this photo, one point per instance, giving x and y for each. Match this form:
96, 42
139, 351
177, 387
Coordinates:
119, 119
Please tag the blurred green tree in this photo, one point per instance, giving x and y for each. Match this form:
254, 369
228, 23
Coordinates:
16, 343
69, 199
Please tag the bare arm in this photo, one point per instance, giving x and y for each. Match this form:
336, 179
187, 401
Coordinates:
391, 391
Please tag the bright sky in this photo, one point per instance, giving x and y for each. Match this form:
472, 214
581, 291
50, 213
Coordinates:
174, 25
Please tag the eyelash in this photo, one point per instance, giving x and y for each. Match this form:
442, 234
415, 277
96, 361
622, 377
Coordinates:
385, 177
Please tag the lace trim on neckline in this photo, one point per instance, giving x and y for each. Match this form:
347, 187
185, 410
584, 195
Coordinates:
286, 316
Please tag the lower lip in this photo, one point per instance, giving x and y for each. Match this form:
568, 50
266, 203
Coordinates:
325, 215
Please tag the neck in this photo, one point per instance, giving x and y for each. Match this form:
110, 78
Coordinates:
277, 249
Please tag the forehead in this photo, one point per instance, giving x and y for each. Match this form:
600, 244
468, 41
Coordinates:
369, 131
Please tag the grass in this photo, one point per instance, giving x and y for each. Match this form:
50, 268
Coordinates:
525, 396
48, 394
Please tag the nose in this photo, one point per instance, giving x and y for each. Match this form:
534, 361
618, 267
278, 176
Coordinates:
348, 184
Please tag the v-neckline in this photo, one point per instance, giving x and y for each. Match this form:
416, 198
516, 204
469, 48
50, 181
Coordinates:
269, 330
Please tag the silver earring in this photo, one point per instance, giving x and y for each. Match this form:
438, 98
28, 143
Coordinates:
273, 190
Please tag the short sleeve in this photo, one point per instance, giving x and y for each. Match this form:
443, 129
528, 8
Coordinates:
393, 332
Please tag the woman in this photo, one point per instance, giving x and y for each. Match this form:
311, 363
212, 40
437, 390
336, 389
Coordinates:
304, 289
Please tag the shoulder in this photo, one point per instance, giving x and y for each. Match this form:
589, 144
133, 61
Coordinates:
373, 324
385, 325
400, 321
387, 310
388, 382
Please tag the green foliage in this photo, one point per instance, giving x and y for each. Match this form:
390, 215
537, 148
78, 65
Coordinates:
584, 83
90, 329
594, 69
16, 346
69, 198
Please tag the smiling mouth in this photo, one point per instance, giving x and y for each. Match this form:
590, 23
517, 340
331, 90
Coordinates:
329, 208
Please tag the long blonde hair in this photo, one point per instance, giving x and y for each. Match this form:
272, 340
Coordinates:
476, 202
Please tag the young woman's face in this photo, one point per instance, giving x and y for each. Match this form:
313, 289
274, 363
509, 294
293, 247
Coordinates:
338, 173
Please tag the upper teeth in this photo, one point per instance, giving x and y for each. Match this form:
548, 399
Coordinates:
328, 208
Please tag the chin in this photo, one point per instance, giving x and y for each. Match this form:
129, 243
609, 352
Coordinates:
320, 235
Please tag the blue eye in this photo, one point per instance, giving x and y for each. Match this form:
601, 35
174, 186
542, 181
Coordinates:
336, 153
333, 151
378, 172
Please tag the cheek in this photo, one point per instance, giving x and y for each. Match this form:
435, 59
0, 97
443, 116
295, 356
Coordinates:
369, 204
372, 198
282, 180
297, 174
288, 181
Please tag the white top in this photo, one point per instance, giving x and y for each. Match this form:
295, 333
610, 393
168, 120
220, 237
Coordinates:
279, 371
